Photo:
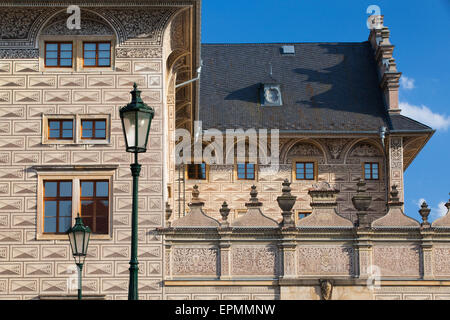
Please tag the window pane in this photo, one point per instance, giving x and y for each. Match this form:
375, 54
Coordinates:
100, 133
100, 125
87, 208
50, 225
51, 62
101, 189
66, 47
367, 166
65, 208
375, 176
65, 189
103, 54
67, 124
104, 46
87, 124
51, 54
54, 134
87, 189
309, 166
103, 62
50, 189
67, 134
65, 54
53, 124
50, 209
52, 46
89, 54
102, 208
101, 226
367, 175
65, 62
89, 46
87, 133
89, 62
64, 224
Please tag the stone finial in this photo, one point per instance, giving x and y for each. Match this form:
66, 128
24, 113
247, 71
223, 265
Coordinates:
253, 202
361, 202
195, 200
448, 203
425, 212
286, 202
394, 195
224, 212
168, 213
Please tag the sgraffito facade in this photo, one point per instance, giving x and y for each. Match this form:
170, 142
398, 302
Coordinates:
62, 153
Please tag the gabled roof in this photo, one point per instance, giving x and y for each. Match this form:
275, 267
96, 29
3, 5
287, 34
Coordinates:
324, 87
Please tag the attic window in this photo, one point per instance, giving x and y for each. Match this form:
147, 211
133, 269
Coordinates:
271, 95
288, 50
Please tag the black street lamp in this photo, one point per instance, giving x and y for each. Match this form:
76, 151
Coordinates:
136, 121
79, 236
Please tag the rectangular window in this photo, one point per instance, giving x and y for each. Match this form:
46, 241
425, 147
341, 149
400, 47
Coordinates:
196, 171
371, 171
93, 129
95, 204
304, 170
58, 54
246, 171
57, 206
96, 54
60, 129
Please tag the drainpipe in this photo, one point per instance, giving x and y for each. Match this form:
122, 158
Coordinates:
199, 71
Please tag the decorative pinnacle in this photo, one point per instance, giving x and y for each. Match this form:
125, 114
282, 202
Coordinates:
361, 186
394, 194
424, 212
286, 190
224, 211
195, 193
253, 194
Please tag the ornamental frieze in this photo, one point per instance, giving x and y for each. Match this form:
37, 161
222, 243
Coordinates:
318, 260
155, 52
254, 260
194, 261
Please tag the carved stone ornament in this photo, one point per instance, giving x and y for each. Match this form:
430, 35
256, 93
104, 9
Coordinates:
254, 216
425, 212
196, 218
224, 212
324, 214
286, 202
395, 218
326, 289
361, 202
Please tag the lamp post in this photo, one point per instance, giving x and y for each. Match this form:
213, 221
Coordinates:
136, 121
79, 236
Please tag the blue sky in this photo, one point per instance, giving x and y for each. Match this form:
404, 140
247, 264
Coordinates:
420, 33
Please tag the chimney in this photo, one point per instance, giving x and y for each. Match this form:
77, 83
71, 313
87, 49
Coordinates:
387, 68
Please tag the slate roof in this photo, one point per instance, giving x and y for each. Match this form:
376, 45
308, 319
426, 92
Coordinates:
325, 87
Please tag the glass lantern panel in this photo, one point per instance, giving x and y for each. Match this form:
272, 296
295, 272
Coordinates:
129, 124
143, 123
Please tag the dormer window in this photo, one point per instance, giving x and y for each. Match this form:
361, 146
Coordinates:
271, 95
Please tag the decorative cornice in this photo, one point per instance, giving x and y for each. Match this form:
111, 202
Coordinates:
93, 3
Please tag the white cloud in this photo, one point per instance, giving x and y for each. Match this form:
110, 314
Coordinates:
438, 212
425, 115
407, 83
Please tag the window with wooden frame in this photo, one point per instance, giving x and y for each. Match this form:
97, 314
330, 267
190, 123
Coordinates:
94, 202
245, 171
371, 171
58, 54
196, 171
62, 195
305, 170
94, 129
96, 54
60, 129
57, 206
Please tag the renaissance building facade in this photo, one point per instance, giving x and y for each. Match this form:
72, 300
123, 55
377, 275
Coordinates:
323, 221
